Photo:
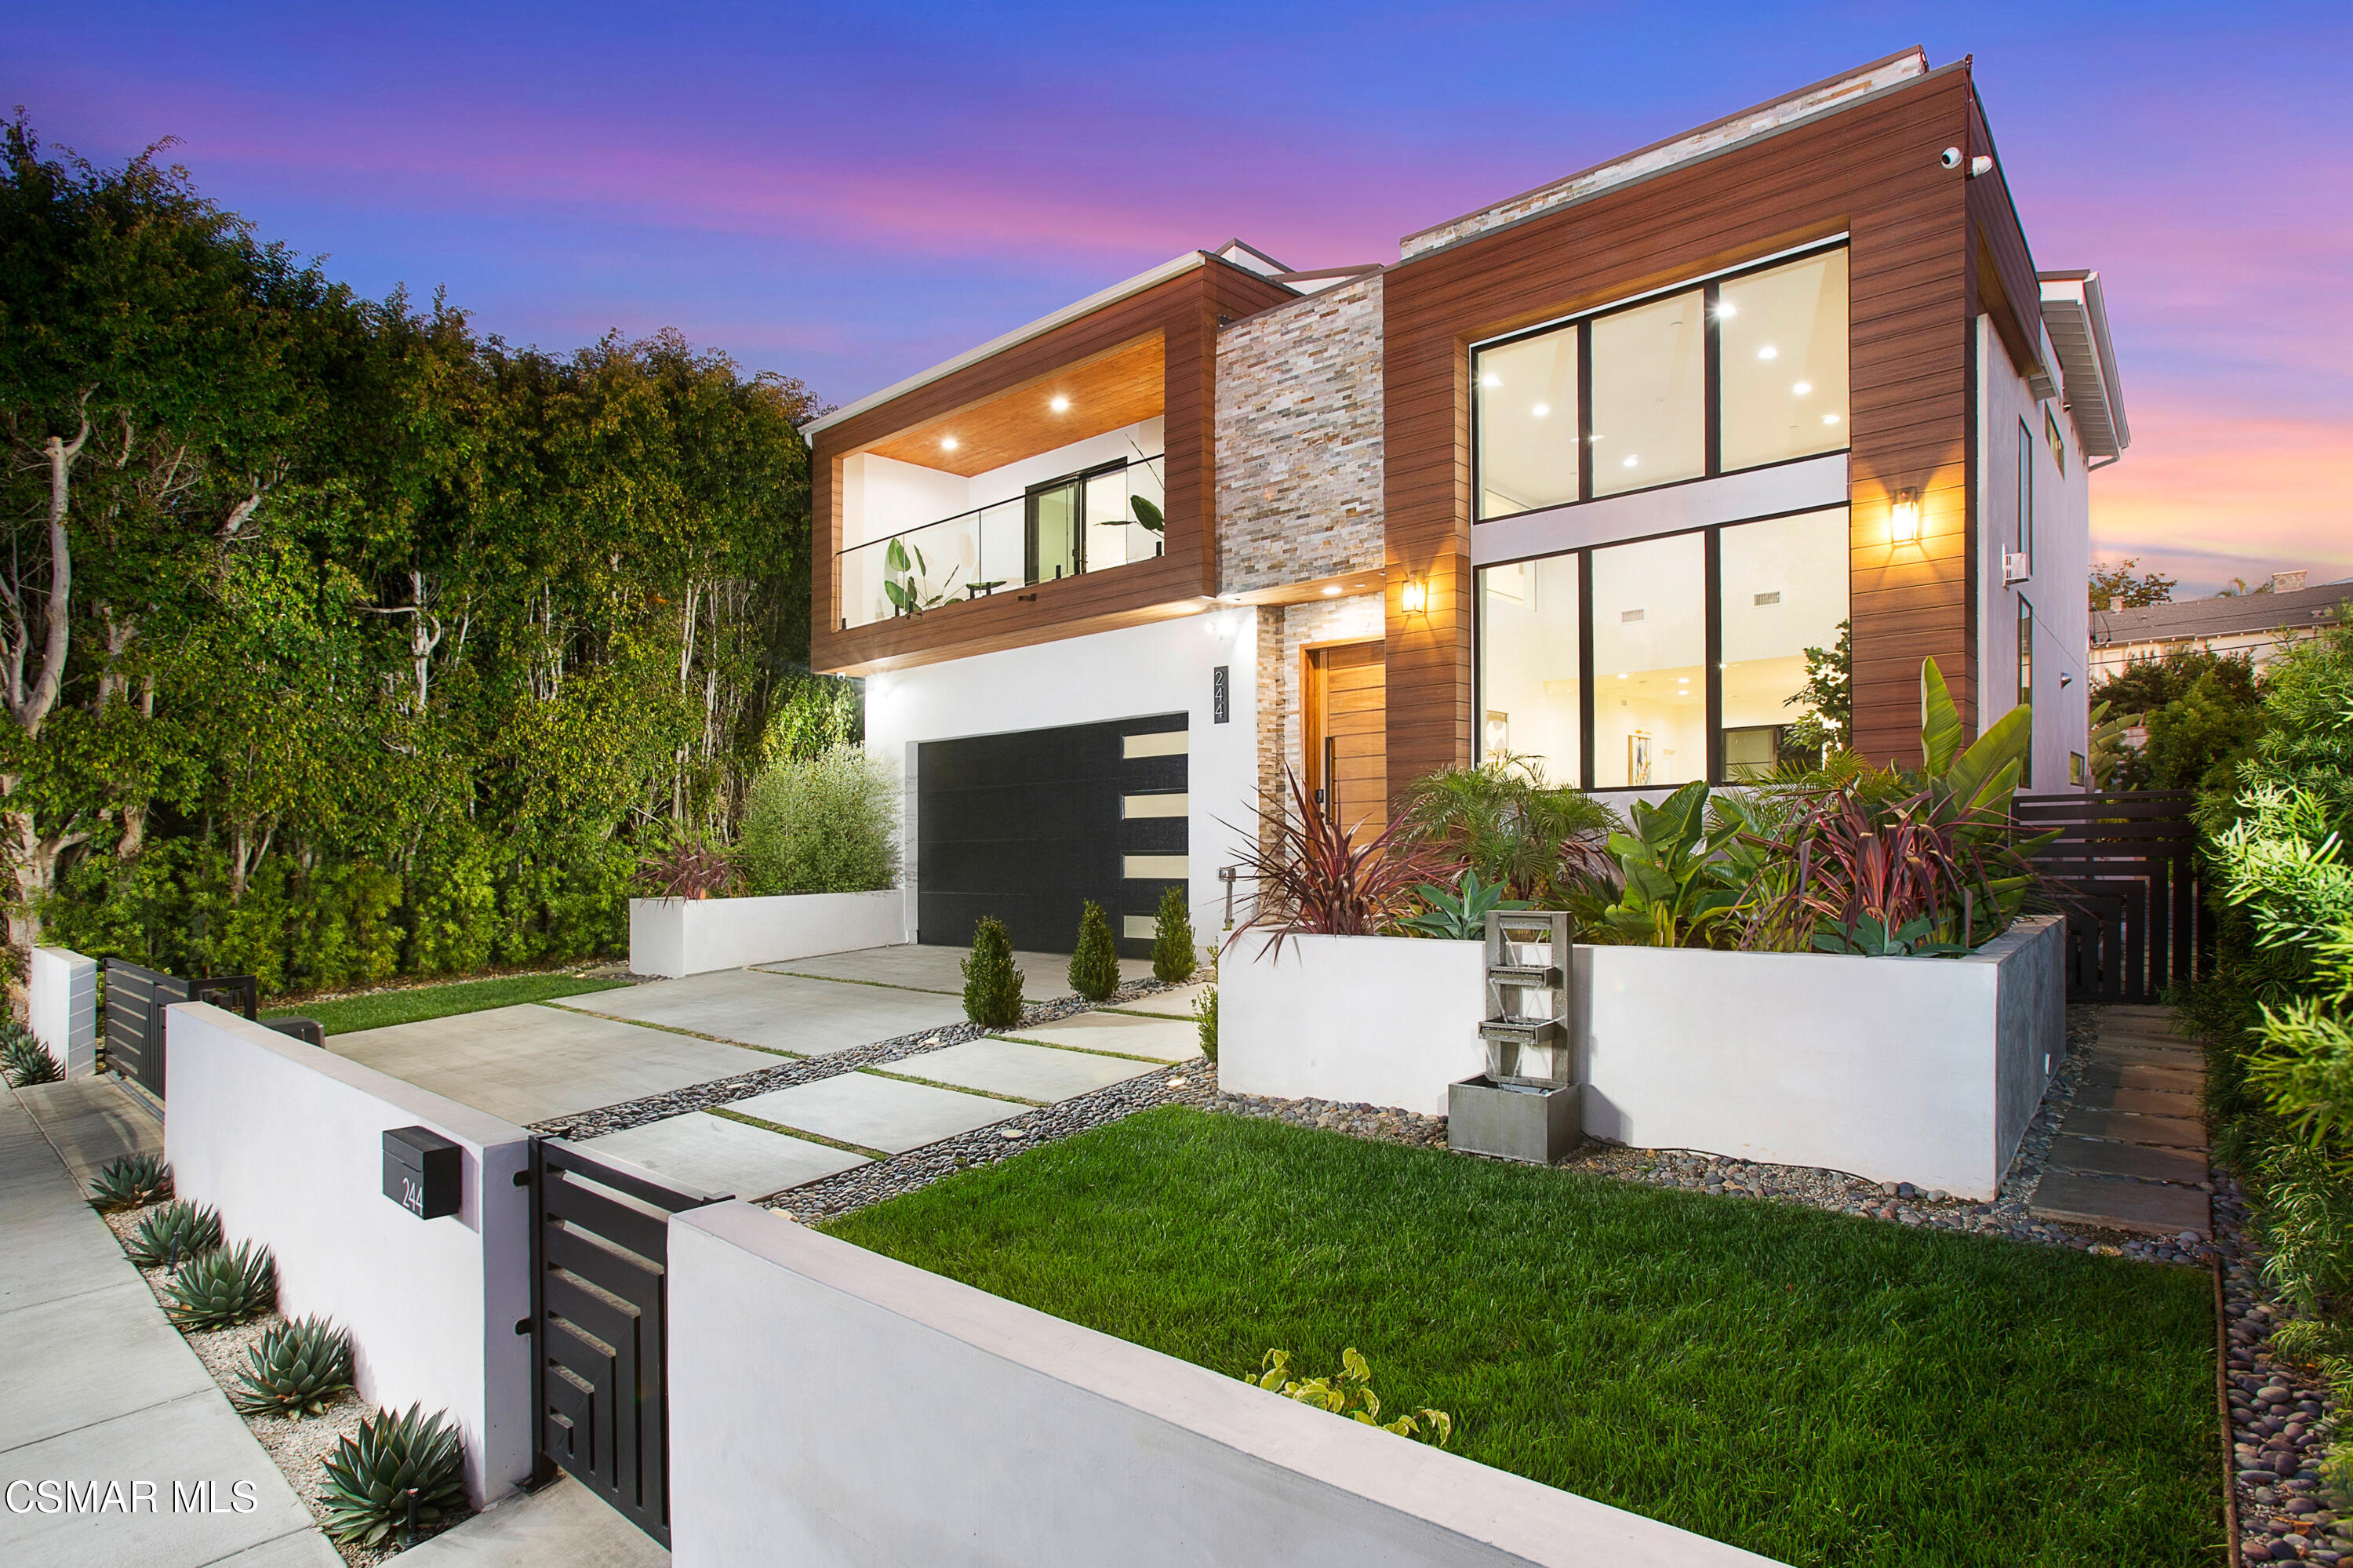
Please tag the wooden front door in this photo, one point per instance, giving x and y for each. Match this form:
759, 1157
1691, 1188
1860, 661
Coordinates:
1346, 732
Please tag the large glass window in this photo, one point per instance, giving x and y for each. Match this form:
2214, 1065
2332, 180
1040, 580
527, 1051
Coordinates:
1782, 590
1527, 423
1649, 662
1534, 697
1782, 346
1650, 403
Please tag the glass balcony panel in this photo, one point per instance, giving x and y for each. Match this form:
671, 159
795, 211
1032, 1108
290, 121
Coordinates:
1108, 520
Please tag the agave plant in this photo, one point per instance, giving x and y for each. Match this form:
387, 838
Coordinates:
1318, 879
1459, 914
225, 1285
26, 1060
371, 1474
297, 1369
172, 1234
131, 1182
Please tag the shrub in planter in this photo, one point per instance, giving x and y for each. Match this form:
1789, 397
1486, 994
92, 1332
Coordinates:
992, 986
173, 1234
1315, 880
25, 1059
1174, 955
370, 1473
225, 1285
1459, 914
685, 865
1205, 1019
822, 824
131, 1182
297, 1369
1094, 966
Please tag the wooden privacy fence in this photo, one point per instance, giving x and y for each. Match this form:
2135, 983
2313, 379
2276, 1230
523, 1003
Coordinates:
2126, 869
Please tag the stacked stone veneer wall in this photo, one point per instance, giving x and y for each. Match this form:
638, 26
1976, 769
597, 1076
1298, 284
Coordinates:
1299, 434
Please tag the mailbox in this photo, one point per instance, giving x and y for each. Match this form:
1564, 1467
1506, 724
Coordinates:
422, 1172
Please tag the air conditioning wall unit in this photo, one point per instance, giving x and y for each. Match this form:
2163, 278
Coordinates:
2016, 567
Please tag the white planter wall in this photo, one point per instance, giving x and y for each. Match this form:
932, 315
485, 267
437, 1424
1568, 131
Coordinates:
996, 1435
62, 1007
1385, 1020
287, 1141
675, 937
1921, 1070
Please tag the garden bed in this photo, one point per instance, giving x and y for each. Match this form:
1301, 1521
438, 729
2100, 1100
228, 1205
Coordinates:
415, 1003
676, 937
1818, 1388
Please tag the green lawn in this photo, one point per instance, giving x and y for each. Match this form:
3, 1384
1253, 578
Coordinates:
415, 1003
1820, 1389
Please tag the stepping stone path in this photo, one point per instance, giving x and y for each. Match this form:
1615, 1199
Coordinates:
2131, 1154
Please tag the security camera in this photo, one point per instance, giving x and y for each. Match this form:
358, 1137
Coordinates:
1980, 164
1950, 157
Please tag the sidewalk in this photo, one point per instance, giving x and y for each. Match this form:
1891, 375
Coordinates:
116, 1447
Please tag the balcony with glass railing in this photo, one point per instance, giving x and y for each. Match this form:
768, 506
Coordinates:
1090, 521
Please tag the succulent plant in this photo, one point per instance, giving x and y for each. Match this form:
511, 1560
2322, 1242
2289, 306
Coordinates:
131, 1182
26, 1060
173, 1234
297, 1369
222, 1286
370, 1473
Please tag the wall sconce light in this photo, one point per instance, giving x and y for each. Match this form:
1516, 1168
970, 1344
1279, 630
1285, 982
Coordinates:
1903, 523
1414, 596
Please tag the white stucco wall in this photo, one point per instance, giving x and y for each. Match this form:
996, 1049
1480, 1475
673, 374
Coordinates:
1165, 667
2062, 553
677, 936
61, 1007
287, 1141
1921, 1070
832, 1405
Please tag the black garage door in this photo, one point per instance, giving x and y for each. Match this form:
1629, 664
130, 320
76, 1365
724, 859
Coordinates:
1028, 826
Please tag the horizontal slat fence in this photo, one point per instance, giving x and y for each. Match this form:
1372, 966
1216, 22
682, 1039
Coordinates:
136, 1000
2124, 863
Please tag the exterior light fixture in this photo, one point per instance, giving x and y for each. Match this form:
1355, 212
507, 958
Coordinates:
1413, 598
1059, 405
1904, 522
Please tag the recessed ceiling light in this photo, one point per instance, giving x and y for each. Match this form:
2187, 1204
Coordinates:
1330, 592
1682, 680
1061, 405
1631, 459
947, 443
1830, 419
1802, 387
1768, 351
1541, 409
1621, 677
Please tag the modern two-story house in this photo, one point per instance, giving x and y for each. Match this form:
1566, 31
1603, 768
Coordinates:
1579, 479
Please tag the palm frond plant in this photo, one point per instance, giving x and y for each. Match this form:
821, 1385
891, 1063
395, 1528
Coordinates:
1506, 821
131, 1182
297, 1369
371, 1474
1315, 878
175, 1232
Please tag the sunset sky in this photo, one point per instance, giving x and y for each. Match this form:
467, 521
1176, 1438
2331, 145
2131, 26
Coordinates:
848, 194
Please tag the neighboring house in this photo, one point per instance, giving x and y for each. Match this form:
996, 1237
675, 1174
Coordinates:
1580, 478
2259, 625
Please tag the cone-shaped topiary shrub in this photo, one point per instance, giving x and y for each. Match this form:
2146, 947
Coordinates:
1094, 967
131, 1182
370, 1473
297, 1369
1205, 1020
25, 1059
222, 1286
992, 986
173, 1235
1174, 956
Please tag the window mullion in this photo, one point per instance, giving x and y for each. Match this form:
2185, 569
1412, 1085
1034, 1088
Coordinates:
1712, 612
1712, 379
1585, 668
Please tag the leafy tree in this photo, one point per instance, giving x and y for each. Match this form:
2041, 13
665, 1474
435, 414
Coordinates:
1827, 698
2117, 587
2199, 711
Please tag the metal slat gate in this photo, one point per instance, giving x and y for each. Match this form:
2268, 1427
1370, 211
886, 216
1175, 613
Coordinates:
135, 1000
2126, 863
599, 1320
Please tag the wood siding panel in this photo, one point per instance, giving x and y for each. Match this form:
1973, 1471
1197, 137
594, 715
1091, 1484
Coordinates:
1871, 170
1185, 313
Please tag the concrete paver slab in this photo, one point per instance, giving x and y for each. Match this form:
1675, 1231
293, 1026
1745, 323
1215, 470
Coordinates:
2157, 1132
2143, 1102
303, 1549
2142, 1076
529, 1062
2116, 1203
2091, 1157
1177, 1003
722, 1156
90, 1121
1044, 976
94, 1355
562, 1525
778, 1011
876, 1113
1030, 1072
1156, 1039
192, 1441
